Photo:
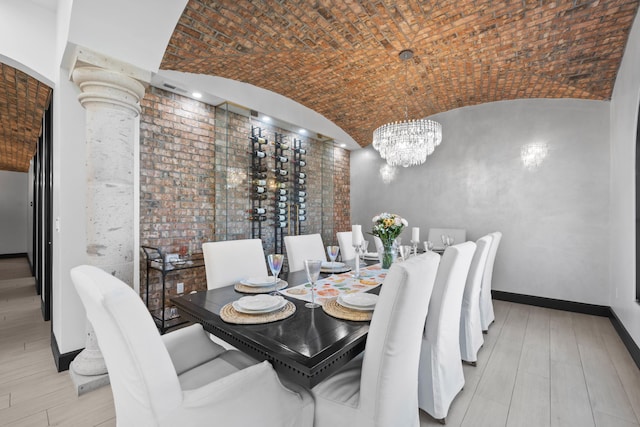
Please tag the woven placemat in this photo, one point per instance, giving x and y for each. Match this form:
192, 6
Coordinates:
260, 289
332, 308
230, 315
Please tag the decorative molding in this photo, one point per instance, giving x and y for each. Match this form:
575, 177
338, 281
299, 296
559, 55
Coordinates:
557, 304
62, 360
626, 338
18, 255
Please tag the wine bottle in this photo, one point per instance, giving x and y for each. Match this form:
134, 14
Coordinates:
281, 172
259, 154
283, 192
261, 182
281, 211
281, 218
302, 212
302, 218
302, 206
259, 189
257, 218
300, 181
281, 159
260, 139
258, 211
282, 205
302, 193
302, 175
282, 185
262, 196
282, 198
301, 200
259, 175
301, 150
281, 224
281, 145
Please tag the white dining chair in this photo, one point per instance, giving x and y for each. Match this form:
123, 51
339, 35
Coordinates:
470, 326
380, 388
181, 378
434, 236
227, 262
440, 374
304, 246
345, 241
487, 315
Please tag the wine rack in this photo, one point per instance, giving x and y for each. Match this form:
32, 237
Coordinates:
299, 196
281, 199
258, 181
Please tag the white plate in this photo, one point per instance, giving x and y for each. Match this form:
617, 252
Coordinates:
258, 281
238, 308
332, 265
259, 303
360, 301
371, 255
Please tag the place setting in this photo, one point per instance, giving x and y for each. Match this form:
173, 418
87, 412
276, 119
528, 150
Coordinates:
333, 266
267, 284
352, 306
257, 309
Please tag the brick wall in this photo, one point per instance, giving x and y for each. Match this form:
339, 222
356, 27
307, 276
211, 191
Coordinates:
195, 182
177, 196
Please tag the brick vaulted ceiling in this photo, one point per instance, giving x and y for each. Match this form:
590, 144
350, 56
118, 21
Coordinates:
340, 58
23, 100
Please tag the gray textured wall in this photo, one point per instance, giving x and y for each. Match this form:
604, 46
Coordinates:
554, 217
14, 212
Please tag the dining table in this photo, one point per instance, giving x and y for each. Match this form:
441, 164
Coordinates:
306, 347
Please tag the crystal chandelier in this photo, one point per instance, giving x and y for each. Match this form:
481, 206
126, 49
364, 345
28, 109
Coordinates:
409, 142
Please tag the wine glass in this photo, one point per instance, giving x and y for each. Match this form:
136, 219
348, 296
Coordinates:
363, 247
450, 241
428, 246
312, 268
405, 251
275, 264
332, 251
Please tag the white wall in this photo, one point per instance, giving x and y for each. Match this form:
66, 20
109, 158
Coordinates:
14, 212
554, 218
624, 115
27, 38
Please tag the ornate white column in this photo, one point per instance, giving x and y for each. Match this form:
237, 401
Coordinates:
112, 103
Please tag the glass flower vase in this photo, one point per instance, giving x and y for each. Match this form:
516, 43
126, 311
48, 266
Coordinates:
388, 255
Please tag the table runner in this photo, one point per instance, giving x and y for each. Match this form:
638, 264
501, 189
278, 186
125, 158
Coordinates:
339, 284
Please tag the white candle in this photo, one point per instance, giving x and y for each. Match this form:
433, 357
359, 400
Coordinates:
415, 234
356, 234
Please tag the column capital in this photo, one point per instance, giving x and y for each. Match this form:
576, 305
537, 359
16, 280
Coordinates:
107, 87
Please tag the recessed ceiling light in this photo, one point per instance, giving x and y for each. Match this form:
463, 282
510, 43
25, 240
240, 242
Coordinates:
303, 131
343, 145
197, 95
266, 118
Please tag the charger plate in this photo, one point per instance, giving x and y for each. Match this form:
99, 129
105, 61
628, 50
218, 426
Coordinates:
332, 308
245, 289
230, 315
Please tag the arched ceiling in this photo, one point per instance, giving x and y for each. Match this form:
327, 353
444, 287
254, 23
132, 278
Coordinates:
340, 58
23, 100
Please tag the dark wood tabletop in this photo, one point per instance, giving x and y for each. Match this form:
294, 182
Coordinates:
306, 347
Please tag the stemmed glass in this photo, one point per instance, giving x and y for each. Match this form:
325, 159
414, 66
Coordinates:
363, 247
428, 245
405, 251
312, 268
275, 264
332, 251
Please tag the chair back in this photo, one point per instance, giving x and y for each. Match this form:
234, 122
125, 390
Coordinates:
486, 306
227, 262
345, 241
470, 326
442, 327
143, 380
389, 382
304, 246
459, 236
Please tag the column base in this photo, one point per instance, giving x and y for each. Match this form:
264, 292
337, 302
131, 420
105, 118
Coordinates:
86, 383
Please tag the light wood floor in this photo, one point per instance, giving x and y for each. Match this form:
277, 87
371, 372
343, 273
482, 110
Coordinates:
538, 368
